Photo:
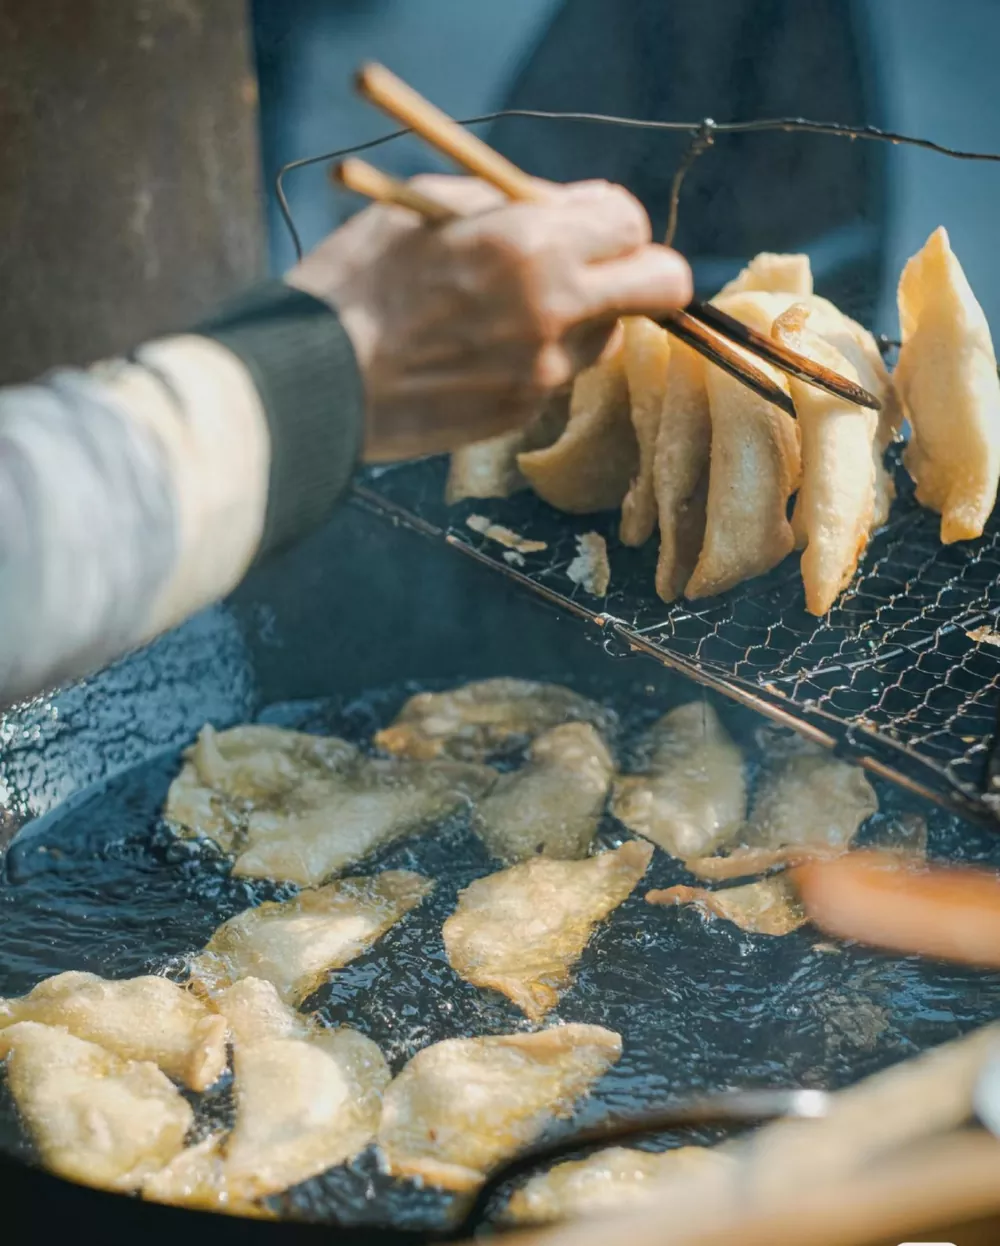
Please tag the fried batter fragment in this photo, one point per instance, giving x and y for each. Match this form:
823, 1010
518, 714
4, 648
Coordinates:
488, 469
300, 808
591, 568
836, 503
294, 944
148, 1018
521, 931
552, 805
94, 1117
770, 271
680, 470
770, 906
647, 359
692, 796
490, 718
617, 1177
462, 1106
592, 464
306, 1099
755, 468
947, 381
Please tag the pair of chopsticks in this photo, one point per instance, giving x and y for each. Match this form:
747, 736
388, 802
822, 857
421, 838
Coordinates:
705, 329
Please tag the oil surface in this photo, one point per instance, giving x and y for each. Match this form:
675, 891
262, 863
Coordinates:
101, 885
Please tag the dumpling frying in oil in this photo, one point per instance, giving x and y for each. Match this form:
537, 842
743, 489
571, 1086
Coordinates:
770, 906
294, 944
146, 1019
489, 718
553, 803
691, 797
522, 930
462, 1106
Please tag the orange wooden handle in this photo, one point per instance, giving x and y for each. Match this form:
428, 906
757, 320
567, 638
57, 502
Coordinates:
382, 88
948, 914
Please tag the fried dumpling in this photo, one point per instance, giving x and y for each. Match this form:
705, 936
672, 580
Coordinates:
770, 906
462, 1106
488, 469
680, 470
94, 1117
947, 382
755, 468
809, 801
771, 271
592, 464
302, 1106
521, 931
295, 943
227, 773
647, 359
146, 1019
691, 798
553, 804
301, 808
379, 800
306, 1100
489, 718
836, 503
606, 1181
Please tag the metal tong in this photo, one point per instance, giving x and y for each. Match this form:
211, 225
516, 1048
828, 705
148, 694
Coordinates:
721, 339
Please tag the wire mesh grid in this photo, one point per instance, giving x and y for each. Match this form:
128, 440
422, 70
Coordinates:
902, 675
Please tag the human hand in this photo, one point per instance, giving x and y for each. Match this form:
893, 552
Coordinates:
463, 330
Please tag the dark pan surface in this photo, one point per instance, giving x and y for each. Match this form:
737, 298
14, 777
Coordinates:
97, 883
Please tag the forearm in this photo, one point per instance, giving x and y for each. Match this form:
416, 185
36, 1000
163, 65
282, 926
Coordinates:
135, 494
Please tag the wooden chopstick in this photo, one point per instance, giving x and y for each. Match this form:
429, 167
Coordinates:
365, 179
382, 88
790, 361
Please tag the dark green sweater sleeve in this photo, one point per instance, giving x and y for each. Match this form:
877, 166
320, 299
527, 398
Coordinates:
303, 365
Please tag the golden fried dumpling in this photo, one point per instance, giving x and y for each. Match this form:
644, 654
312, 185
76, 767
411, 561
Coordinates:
755, 468
947, 381
771, 271
94, 1117
680, 470
808, 804
462, 1106
691, 796
488, 718
609, 1180
770, 906
295, 943
488, 469
522, 930
146, 1018
553, 803
592, 464
300, 808
836, 503
647, 359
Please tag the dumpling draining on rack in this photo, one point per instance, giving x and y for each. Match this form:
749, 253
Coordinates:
681, 445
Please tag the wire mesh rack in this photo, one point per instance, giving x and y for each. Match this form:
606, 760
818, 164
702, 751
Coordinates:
902, 676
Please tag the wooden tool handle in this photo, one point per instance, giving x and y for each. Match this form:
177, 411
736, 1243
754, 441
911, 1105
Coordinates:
381, 87
365, 179
950, 914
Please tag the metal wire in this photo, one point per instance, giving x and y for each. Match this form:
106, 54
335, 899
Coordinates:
702, 134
